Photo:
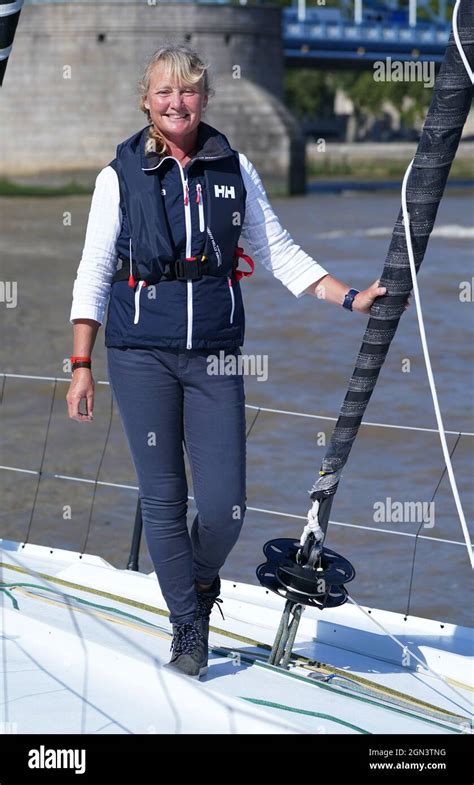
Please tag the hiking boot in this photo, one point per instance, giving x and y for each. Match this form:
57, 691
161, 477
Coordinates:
189, 650
205, 601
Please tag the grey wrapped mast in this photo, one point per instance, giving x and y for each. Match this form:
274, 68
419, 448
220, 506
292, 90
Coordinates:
9, 15
450, 105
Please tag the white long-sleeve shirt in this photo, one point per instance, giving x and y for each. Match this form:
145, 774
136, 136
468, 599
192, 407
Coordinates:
263, 238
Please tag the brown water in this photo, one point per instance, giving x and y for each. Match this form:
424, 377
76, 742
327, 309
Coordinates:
311, 348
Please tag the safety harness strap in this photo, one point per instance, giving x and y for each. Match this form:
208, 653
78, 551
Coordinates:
190, 268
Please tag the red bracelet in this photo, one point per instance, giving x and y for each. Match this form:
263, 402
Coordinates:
79, 359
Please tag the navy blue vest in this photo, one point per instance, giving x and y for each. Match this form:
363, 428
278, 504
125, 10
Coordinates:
169, 213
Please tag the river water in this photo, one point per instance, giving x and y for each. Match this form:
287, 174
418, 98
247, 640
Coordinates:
310, 348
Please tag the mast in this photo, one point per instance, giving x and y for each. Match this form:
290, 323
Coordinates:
425, 184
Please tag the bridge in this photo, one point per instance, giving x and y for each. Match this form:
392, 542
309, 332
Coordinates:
345, 34
101, 38
356, 34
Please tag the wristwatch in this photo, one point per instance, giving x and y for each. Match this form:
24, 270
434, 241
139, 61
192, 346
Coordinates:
349, 299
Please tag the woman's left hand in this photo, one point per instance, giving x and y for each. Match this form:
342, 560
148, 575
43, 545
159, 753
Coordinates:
364, 300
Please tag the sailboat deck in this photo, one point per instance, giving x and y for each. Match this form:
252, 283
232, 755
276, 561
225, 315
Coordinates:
83, 642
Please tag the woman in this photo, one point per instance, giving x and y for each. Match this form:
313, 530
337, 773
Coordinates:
165, 221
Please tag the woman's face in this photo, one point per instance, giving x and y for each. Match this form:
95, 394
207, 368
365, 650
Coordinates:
175, 109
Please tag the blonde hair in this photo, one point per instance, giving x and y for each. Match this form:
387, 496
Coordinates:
185, 67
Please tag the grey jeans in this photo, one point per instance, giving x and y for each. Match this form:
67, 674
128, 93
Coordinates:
167, 400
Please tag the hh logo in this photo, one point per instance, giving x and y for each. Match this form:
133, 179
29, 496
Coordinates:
228, 191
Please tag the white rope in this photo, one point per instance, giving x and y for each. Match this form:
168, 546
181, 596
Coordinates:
67, 380
459, 44
416, 292
312, 527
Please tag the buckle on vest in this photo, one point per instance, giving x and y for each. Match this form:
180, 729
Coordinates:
189, 268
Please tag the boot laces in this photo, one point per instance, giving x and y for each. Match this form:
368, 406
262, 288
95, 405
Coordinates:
186, 638
205, 603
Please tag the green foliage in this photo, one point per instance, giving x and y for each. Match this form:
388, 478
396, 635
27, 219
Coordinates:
368, 96
309, 91
10, 188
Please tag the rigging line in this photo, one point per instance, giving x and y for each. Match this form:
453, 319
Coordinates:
426, 354
264, 408
55, 476
4, 380
356, 526
123, 486
408, 651
407, 612
40, 472
97, 474
253, 423
364, 422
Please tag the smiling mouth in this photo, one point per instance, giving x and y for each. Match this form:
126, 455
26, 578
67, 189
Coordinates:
177, 116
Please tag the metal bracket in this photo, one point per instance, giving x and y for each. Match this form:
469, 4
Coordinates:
285, 637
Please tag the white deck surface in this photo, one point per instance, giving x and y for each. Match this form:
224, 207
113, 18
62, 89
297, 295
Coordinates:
82, 643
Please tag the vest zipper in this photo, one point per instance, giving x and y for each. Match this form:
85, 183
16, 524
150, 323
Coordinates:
200, 206
187, 220
232, 299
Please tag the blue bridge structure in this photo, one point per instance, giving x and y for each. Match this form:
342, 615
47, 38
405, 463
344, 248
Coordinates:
357, 33
329, 33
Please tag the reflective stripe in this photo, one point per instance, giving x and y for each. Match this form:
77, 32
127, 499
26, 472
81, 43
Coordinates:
232, 297
189, 337
187, 220
200, 207
137, 301
187, 213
